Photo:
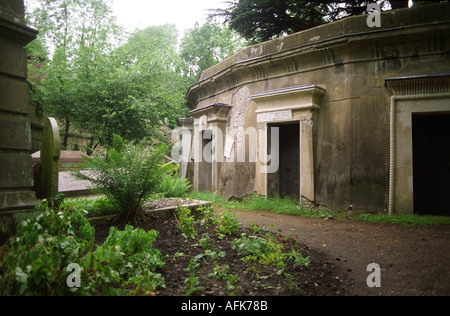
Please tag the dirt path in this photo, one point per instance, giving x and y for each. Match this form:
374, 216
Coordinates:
413, 260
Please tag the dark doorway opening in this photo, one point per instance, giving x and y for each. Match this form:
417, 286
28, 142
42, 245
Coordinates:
289, 172
205, 176
431, 164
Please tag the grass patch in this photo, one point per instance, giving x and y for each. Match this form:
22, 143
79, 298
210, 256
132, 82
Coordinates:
260, 203
406, 220
288, 206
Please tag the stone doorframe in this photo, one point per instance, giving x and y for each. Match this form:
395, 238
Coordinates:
209, 118
425, 93
288, 105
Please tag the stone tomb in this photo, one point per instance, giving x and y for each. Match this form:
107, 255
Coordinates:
67, 183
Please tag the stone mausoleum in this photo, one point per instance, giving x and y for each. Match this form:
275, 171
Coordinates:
358, 116
16, 171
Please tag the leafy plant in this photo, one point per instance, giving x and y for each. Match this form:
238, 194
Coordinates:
207, 216
35, 261
208, 257
172, 185
127, 256
204, 242
299, 260
186, 222
192, 284
228, 224
262, 250
126, 174
100, 205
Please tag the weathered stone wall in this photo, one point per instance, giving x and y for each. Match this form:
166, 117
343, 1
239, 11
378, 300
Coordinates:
16, 178
351, 62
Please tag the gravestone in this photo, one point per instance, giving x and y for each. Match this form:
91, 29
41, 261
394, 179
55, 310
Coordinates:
50, 153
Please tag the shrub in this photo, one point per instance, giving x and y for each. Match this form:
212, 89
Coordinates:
126, 174
126, 257
228, 224
35, 261
186, 222
261, 250
172, 185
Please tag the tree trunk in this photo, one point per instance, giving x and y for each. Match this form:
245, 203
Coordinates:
66, 133
91, 147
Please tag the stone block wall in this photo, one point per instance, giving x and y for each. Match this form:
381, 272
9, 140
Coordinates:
16, 173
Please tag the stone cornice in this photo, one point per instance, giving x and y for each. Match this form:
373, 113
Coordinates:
16, 31
292, 98
432, 84
214, 112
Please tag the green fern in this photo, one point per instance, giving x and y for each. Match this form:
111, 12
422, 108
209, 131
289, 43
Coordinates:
173, 186
126, 174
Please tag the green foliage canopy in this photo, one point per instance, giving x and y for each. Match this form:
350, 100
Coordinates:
263, 20
87, 72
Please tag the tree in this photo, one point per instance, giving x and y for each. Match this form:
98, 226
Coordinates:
263, 20
152, 56
204, 46
97, 84
74, 36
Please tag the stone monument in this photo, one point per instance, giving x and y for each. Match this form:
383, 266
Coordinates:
16, 173
50, 153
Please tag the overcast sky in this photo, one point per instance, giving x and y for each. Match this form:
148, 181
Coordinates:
183, 13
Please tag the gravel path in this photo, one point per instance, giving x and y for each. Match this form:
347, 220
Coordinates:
413, 260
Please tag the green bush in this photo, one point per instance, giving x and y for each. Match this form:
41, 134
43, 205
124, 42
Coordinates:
34, 262
186, 222
228, 224
172, 185
126, 257
127, 173
265, 251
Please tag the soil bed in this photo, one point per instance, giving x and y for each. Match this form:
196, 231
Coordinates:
322, 278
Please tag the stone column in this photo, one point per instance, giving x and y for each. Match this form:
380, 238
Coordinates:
218, 138
187, 124
307, 158
16, 173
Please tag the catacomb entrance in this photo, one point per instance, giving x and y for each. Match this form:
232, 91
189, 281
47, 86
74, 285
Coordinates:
289, 170
205, 184
431, 160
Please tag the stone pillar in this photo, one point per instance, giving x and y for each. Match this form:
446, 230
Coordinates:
197, 149
187, 124
307, 158
16, 173
218, 142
